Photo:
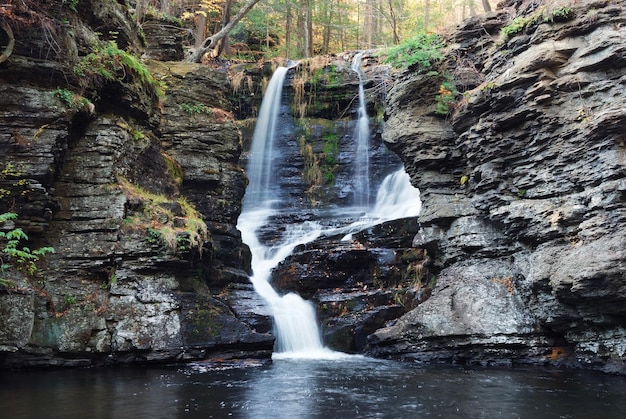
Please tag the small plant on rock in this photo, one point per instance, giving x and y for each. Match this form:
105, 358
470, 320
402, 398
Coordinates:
446, 98
172, 224
520, 23
13, 255
108, 62
196, 108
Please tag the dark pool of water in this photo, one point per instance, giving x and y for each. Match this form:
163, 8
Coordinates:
347, 388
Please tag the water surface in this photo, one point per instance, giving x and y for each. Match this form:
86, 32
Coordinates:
347, 388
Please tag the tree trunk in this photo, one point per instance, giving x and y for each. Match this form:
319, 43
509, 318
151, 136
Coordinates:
486, 6
200, 21
394, 22
165, 7
140, 10
305, 27
472, 8
9, 48
212, 41
223, 47
326, 33
369, 25
309, 29
288, 24
427, 14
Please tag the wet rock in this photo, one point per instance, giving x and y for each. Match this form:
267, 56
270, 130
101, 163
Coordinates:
524, 180
360, 285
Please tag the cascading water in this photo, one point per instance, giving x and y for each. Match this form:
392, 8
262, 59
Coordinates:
296, 329
259, 167
294, 318
397, 198
362, 134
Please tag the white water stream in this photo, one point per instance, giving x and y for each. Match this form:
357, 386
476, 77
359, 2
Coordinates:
295, 323
362, 133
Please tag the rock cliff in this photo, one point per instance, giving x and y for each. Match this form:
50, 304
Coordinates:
137, 191
135, 181
523, 186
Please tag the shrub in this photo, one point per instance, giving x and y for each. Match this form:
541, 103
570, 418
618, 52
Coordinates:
423, 49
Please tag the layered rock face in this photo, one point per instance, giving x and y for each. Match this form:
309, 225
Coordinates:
524, 191
139, 196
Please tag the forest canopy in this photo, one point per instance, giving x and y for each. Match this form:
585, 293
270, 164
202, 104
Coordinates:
303, 28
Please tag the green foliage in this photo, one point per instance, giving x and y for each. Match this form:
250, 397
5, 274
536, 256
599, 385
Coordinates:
12, 171
182, 243
108, 62
112, 280
330, 148
72, 4
69, 300
327, 75
154, 237
71, 99
487, 86
330, 151
319, 168
446, 98
196, 108
12, 255
518, 24
174, 168
137, 135
167, 223
423, 50
329, 177
152, 13
562, 14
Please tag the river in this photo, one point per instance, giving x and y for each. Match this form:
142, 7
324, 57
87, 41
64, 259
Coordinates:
352, 387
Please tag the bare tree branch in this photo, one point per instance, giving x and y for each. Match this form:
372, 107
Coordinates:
212, 41
9, 48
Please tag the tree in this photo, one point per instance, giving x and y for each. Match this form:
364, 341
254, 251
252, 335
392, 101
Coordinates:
305, 29
165, 7
140, 10
472, 8
486, 5
212, 41
393, 21
224, 45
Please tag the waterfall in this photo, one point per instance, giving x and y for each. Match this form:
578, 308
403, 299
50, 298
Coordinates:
362, 134
259, 167
295, 323
397, 198
294, 318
